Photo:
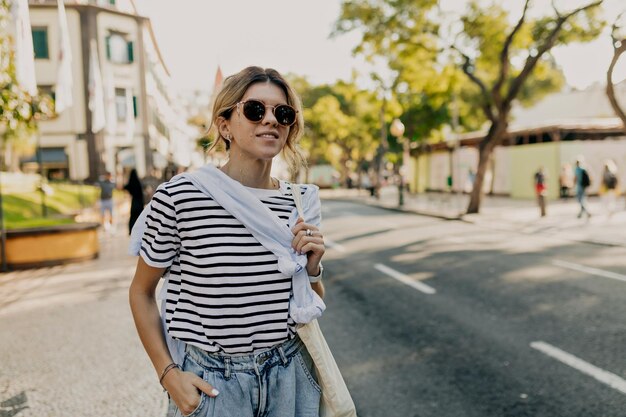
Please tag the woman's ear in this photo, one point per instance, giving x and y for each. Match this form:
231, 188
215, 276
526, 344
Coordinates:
223, 127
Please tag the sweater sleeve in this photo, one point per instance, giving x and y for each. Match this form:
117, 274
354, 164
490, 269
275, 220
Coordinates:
312, 205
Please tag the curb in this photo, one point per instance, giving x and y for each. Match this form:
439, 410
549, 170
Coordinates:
464, 219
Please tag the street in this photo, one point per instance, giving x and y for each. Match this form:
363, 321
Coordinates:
426, 317
466, 349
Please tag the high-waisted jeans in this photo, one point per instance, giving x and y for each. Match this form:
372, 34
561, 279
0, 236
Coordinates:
278, 382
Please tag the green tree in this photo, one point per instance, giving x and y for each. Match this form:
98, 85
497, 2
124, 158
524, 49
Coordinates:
19, 111
340, 123
415, 85
344, 124
513, 62
505, 63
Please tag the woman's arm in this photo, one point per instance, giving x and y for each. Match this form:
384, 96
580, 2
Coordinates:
318, 287
182, 386
146, 313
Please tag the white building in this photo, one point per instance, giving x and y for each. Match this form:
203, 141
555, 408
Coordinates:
145, 129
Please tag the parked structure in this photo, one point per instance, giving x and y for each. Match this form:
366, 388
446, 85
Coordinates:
145, 128
553, 133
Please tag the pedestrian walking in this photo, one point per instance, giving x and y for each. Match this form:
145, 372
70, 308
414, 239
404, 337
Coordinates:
230, 302
583, 181
566, 181
135, 189
609, 189
541, 190
106, 186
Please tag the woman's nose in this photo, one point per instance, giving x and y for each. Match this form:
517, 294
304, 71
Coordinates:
269, 118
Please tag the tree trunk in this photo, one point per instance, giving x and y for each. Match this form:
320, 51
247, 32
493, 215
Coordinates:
494, 136
610, 89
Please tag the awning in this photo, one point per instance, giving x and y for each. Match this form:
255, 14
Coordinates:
48, 156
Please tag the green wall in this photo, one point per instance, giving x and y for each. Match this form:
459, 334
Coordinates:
526, 160
423, 168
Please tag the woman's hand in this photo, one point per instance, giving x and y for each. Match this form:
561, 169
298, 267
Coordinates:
311, 243
184, 389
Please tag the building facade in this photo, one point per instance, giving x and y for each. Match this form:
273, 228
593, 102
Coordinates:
146, 128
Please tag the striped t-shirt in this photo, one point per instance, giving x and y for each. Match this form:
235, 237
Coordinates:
225, 292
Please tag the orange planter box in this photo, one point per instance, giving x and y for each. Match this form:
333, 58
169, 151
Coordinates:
52, 245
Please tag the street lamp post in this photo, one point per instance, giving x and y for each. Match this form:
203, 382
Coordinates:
397, 130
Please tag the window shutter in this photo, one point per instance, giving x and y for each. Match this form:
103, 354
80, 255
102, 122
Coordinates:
130, 52
135, 109
108, 46
40, 43
112, 2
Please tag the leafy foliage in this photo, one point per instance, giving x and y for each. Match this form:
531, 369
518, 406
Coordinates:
19, 111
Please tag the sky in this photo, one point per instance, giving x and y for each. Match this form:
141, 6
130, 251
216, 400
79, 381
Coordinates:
195, 36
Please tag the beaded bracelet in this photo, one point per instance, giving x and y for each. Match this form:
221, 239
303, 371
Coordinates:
167, 369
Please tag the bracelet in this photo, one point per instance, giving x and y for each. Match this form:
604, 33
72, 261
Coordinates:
318, 277
166, 370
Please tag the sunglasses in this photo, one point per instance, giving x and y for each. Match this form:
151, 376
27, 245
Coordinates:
254, 110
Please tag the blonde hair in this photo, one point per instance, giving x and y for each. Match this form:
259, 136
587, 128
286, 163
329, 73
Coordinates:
233, 90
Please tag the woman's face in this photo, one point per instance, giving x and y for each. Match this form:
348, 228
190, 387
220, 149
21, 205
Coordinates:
265, 139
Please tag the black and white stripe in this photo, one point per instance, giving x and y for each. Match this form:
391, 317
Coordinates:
226, 293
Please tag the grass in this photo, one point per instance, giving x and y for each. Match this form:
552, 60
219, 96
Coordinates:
63, 202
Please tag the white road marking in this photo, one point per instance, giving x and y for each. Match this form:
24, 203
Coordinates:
589, 270
334, 245
405, 279
601, 375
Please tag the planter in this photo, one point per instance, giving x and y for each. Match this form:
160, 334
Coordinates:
52, 245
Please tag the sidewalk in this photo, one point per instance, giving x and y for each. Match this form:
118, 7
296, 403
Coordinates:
505, 213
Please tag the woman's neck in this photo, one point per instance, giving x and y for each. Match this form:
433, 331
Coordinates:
253, 175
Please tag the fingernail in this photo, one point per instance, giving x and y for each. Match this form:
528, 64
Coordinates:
214, 392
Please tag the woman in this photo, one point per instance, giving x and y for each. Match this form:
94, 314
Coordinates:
227, 299
135, 189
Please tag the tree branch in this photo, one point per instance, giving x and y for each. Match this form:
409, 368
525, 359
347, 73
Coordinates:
504, 57
531, 62
556, 10
614, 28
467, 64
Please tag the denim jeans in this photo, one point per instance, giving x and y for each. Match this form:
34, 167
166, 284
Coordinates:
580, 196
278, 382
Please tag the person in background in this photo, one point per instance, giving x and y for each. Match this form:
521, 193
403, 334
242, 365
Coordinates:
609, 188
566, 181
106, 186
135, 189
541, 190
583, 181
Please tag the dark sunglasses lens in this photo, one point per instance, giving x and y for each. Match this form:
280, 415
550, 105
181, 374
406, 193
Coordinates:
254, 110
285, 115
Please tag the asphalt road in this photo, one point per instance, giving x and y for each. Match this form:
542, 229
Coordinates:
516, 325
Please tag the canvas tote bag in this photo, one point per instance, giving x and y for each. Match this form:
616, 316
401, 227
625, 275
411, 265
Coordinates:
336, 400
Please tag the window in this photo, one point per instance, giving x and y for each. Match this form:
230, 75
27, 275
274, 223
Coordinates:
119, 50
40, 42
120, 104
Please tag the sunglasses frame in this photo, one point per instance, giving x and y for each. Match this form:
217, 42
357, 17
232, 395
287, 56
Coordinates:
242, 103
